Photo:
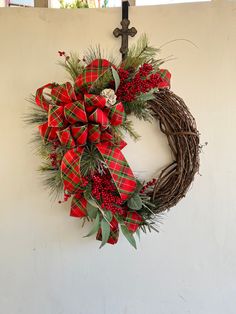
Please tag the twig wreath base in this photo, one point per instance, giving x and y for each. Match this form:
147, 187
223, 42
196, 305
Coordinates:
178, 124
81, 127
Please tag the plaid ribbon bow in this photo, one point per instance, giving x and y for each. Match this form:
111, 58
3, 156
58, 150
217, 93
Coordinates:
75, 118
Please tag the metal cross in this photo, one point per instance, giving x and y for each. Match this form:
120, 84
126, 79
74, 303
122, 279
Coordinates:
125, 31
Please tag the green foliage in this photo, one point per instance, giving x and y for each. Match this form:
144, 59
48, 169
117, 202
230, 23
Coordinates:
95, 52
135, 202
106, 230
129, 236
116, 78
140, 109
73, 65
95, 227
92, 208
36, 114
77, 4
140, 53
127, 126
52, 179
91, 161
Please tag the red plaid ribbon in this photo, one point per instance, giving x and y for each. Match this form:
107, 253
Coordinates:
133, 221
76, 118
120, 171
165, 78
78, 206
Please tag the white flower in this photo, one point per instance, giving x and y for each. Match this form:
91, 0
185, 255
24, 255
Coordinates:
110, 96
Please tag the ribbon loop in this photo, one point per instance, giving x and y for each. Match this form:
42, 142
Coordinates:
66, 138
75, 112
56, 117
80, 134
40, 100
91, 74
99, 117
63, 93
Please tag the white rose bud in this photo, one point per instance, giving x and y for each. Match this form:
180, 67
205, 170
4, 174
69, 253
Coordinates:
110, 96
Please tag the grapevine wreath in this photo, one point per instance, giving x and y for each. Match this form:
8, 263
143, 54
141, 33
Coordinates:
81, 125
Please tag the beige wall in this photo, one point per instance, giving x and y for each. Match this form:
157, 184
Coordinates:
46, 267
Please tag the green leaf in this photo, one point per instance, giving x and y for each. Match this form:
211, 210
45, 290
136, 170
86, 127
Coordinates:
139, 186
120, 219
92, 208
129, 236
135, 202
148, 96
88, 191
105, 226
138, 233
108, 215
116, 78
95, 227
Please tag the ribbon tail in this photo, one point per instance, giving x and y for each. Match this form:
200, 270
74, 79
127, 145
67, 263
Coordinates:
119, 169
78, 206
70, 170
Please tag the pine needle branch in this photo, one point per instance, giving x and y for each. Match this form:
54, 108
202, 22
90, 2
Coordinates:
140, 53
36, 114
72, 65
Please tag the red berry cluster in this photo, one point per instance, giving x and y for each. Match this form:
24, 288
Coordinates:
104, 191
148, 185
143, 81
55, 161
53, 158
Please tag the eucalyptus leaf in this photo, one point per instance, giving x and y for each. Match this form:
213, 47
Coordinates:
108, 215
129, 236
92, 208
138, 233
105, 226
95, 227
87, 192
139, 186
135, 202
116, 78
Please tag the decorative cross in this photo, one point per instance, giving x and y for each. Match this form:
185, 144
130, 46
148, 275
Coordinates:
125, 31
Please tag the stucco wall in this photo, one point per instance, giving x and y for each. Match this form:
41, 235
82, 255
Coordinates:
46, 267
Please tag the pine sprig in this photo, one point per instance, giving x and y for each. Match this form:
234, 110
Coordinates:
36, 114
140, 53
52, 179
91, 161
126, 127
93, 53
73, 65
139, 109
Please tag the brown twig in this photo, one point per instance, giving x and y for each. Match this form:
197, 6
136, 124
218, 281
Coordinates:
177, 123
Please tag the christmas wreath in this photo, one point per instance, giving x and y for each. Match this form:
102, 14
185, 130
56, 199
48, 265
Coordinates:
81, 127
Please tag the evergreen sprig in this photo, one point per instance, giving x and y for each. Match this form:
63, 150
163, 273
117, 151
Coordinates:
36, 114
140, 53
52, 178
91, 161
72, 64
